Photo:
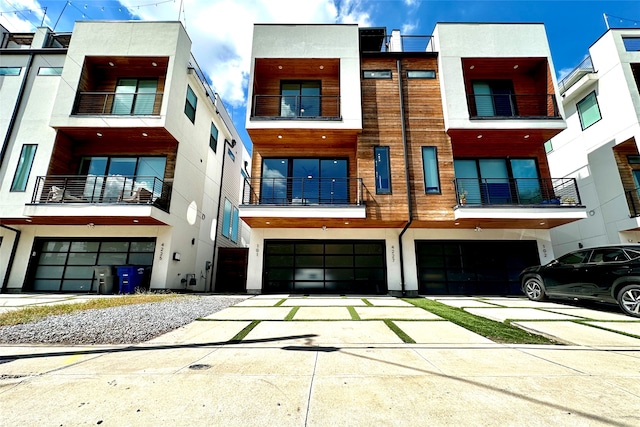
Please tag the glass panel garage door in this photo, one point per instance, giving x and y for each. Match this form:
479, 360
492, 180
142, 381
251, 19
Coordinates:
473, 267
325, 267
68, 265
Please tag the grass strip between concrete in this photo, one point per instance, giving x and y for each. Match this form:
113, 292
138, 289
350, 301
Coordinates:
292, 313
354, 314
495, 331
399, 332
245, 331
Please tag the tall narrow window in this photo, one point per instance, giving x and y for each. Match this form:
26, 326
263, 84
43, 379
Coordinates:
24, 167
213, 138
430, 166
226, 219
190, 105
234, 225
383, 170
588, 110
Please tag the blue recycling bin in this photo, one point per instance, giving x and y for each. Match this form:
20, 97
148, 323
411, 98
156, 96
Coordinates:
130, 277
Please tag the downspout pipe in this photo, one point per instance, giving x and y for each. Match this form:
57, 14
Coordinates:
12, 258
406, 172
16, 109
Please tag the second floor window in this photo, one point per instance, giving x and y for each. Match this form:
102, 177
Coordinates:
588, 110
23, 170
382, 169
300, 99
134, 97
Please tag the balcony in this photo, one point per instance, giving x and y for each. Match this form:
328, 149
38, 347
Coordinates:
633, 200
91, 189
303, 198
584, 68
118, 104
286, 107
512, 106
532, 192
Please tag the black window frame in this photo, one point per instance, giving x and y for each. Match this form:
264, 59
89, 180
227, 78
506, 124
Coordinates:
373, 74
431, 74
378, 182
438, 189
213, 139
189, 109
595, 97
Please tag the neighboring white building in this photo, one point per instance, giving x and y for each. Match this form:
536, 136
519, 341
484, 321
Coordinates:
112, 154
600, 145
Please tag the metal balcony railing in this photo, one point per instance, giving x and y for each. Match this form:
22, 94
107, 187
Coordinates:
538, 192
286, 107
512, 106
118, 104
633, 200
60, 189
303, 191
585, 67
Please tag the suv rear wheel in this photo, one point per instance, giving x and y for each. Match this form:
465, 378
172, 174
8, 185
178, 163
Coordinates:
534, 289
629, 300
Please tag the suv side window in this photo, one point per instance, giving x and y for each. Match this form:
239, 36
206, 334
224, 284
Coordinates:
632, 254
574, 257
608, 255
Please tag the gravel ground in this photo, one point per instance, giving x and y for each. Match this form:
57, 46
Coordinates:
127, 324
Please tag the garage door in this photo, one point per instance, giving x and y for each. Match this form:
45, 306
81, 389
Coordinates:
296, 266
66, 265
473, 267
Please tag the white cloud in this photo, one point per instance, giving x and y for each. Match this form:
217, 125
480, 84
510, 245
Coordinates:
23, 17
221, 31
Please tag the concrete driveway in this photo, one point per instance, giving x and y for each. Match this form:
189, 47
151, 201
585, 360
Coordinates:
321, 367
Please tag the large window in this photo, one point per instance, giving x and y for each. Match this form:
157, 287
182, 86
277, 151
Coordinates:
304, 181
300, 99
493, 98
498, 181
111, 178
430, 166
24, 167
134, 97
382, 170
588, 110
190, 104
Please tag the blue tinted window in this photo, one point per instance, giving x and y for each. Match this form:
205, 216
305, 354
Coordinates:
190, 104
226, 219
234, 225
631, 44
430, 165
383, 170
24, 167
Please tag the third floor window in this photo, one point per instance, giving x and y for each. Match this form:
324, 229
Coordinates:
134, 97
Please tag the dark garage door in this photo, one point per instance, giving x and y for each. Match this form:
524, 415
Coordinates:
336, 266
473, 267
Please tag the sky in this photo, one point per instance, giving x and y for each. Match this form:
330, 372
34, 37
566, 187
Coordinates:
221, 30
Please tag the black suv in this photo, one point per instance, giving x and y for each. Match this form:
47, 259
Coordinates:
605, 273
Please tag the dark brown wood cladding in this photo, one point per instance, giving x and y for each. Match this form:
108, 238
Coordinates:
620, 152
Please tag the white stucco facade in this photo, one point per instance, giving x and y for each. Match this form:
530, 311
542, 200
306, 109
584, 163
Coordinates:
588, 154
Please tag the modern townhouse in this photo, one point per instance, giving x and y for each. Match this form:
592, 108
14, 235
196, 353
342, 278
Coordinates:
599, 148
113, 147
401, 164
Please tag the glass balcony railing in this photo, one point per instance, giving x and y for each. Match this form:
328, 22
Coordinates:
528, 192
108, 189
303, 191
585, 67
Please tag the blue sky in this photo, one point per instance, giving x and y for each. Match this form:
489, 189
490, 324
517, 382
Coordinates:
221, 29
